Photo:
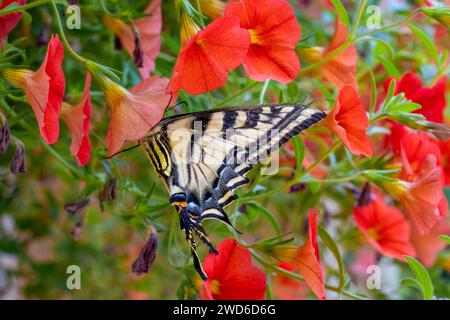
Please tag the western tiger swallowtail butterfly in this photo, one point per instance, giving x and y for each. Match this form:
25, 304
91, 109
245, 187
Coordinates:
204, 156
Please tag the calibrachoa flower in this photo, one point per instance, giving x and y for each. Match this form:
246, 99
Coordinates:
431, 99
306, 259
285, 288
232, 275
9, 22
421, 196
206, 58
77, 119
428, 246
44, 89
385, 228
134, 112
274, 33
348, 120
144, 42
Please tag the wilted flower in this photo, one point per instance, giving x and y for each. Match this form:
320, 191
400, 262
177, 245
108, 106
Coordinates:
385, 228
109, 190
77, 207
4, 137
78, 119
274, 33
232, 275
18, 161
147, 255
348, 120
207, 56
44, 89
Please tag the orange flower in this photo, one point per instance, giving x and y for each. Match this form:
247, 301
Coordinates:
134, 112
44, 89
232, 275
306, 258
341, 69
427, 246
421, 196
385, 228
285, 288
274, 32
144, 42
207, 57
77, 119
349, 122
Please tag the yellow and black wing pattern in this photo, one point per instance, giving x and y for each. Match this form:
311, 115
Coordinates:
203, 157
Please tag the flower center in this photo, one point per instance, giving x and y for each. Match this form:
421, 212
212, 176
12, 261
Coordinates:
254, 37
373, 233
215, 286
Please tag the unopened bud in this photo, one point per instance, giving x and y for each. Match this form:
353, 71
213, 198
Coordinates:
147, 255
109, 190
4, 137
18, 161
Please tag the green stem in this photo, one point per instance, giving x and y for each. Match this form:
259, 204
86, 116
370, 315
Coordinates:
362, 5
238, 94
320, 160
27, 6
298, 277
63, 36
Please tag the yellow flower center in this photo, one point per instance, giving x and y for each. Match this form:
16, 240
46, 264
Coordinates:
254, 37
114, 93
215, 286
373, 233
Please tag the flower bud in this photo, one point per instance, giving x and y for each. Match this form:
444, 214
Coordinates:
18, 161
4, 137
147, 255
75, 208
109, 190
212, 8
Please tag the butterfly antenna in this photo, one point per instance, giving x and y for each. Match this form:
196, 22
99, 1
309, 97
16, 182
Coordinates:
123, 150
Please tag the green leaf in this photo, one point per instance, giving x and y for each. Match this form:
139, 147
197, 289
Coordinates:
390, 67
342, 13
422, 277
411, 282
254, 208
445, 238
426, 41
299, 151
332, 246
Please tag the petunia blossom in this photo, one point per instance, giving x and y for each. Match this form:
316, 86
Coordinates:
207, 57
78, 119
274, 32
341, 69
348, 120
44, 89
232, 275
9, 21
134, 112
385, 228
144, 41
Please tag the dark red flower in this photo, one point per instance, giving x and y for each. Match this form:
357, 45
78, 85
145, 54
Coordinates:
348, 120
232, 275
9, 22
385, 228
44, 89
274, 32
207, 57
78, 119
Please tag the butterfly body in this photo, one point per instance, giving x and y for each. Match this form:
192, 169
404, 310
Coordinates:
203, 157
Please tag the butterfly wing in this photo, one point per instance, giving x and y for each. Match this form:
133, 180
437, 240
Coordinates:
203, 157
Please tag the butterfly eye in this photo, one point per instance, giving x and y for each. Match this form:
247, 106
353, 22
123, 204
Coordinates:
193, 209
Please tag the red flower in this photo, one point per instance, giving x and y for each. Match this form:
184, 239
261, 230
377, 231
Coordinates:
285, 288
231, 275
9, 22
341, 69
148, 32
77, 119
44, 89
134, 112
432, 99
421, 195
427, 246
274, 32
445, 160
385, 228
208, 56
349, 122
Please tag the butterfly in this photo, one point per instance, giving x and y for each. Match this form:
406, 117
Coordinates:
203, 157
